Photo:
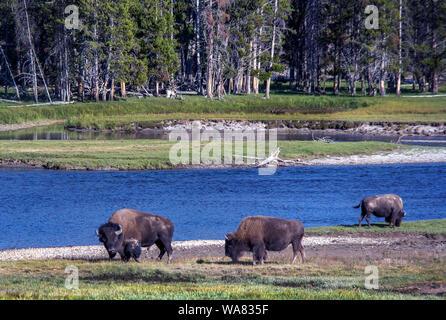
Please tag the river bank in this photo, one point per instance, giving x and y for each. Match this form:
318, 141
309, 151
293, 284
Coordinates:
290, 127
425, 233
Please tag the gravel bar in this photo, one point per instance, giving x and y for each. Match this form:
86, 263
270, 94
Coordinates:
98, 252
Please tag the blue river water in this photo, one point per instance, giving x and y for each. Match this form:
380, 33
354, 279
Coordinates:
42, 208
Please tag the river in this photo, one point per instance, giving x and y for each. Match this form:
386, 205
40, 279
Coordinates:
58, 132
41, 208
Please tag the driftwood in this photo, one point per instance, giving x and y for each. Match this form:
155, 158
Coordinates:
10, 101
187, 92
273, 158
42, 104
322, 139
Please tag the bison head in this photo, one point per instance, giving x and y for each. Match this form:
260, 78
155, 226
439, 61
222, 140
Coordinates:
110, 234
232, 247
400, 218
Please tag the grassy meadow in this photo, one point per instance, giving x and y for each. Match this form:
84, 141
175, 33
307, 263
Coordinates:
282, 106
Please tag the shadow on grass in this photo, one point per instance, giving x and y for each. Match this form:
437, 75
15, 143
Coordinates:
228, 263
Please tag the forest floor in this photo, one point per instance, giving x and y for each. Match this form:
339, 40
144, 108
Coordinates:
410, 262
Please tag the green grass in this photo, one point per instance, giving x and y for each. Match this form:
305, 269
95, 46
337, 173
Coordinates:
213, 278
427, 226
279, 107
154, 154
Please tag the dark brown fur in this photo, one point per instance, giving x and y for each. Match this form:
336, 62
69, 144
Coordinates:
146, 228
388, 206
260, 233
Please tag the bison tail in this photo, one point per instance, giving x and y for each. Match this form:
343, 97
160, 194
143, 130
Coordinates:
356, 207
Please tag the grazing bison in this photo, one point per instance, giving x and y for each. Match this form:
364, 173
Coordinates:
132, 249
146, 228
388, 206
260, 233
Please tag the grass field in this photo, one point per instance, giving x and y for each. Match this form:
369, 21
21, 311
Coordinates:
154, 154
321, 277
425, 226
281, 106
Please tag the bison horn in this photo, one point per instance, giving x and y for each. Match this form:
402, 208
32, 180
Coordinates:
119, 231
97, 232
226, 237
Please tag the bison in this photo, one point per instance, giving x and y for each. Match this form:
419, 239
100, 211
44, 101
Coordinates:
146, 228
388, 206
132, 249
260, 233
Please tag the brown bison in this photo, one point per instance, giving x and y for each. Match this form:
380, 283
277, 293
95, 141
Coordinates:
389, 206
260, 233
146, 228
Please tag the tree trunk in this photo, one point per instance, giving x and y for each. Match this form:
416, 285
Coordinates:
112, 89
123, 90
197, 44
273, 44
398, 79
383, 75
210, 64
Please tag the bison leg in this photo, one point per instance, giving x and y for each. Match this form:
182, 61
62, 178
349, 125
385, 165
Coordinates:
166, 248
367, 218
393, 217
360, 220
297, 246
258, 253
392, 221
160, 246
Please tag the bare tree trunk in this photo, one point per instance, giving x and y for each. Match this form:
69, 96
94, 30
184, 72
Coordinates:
383, 75
96, 58
210, 64
123, 90
248, 72
112, 89
255, 80
107, 65
197, 44
10, 73
398, 80
31, 56
268, 81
